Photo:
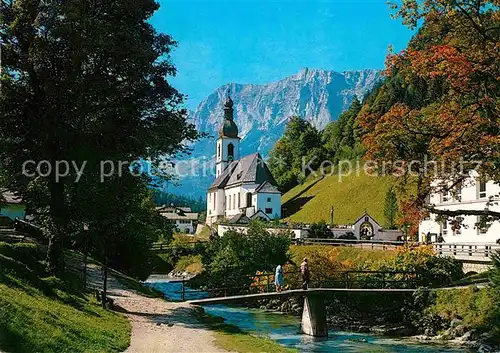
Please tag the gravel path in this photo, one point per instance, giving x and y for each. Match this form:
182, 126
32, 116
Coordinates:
158, 325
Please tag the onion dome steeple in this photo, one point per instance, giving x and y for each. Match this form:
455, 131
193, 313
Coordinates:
228, 127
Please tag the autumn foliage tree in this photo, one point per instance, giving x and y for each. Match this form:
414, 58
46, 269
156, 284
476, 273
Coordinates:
440, 102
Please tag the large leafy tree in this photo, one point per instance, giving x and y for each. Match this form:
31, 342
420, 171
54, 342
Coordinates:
341, 138
83, 81
440, 101
296, 153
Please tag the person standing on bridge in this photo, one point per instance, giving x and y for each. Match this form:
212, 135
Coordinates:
278, 278
304, 271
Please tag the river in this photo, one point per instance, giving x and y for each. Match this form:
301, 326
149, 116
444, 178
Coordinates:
285, 329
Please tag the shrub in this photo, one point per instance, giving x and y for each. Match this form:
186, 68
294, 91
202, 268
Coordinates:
26, 250
26, 256
13, 268
234, 258
348, 236
190, 263
432, 270
320, 230
494, 273
325, 260
179, 248
475, 306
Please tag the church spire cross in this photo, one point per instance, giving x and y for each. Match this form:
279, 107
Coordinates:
228, 106
228, 127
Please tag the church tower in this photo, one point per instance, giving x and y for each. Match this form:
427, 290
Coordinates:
228, 143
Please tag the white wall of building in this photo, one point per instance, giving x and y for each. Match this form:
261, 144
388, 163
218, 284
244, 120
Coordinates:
235, 199
269, 202
215, 205
184, 226
221, 157
297, 232
473, 196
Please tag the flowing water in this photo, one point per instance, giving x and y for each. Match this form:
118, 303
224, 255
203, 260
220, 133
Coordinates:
285, 329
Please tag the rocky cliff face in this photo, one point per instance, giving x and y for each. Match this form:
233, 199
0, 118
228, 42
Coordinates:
261, 111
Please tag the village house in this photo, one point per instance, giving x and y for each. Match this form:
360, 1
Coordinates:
182, 217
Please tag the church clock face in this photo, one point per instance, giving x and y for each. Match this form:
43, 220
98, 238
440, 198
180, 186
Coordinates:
230, 158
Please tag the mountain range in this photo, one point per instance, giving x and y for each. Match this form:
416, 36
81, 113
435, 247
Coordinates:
261, 113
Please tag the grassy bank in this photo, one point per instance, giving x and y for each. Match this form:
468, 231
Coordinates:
182, 254
342, 254
476, 307
190, 263
40, 313
350, 196
33, 322
232, 339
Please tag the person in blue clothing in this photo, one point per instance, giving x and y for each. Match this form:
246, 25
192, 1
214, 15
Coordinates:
278, 278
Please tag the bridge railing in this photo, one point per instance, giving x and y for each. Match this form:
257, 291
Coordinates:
264, 282
372, 279
467, 251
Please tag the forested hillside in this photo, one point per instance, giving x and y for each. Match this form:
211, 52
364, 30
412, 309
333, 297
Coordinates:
438, 102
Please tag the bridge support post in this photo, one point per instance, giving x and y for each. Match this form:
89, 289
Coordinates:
314, 316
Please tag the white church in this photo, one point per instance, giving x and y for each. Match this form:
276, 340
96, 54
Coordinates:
244, 187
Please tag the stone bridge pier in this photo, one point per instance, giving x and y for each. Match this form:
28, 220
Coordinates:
470, 267
314, 315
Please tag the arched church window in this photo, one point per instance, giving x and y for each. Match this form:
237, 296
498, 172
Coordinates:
230, 150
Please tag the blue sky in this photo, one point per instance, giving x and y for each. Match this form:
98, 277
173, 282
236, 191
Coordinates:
251, 41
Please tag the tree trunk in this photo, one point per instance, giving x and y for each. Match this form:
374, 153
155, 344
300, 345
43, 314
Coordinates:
105, 283
55, 256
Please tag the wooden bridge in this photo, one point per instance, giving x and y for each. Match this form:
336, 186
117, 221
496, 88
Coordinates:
313, 314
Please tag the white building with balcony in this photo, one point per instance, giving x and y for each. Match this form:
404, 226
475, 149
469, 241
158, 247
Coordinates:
472, 194
244, 187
